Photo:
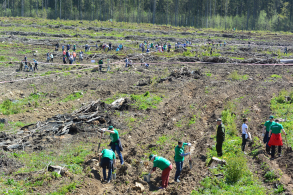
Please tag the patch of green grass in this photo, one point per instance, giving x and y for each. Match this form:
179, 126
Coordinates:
187, 54
276, 76
66, 74
209, 74
8, 107
65, 189
146, 100
192, 120
235, 76
115, 97
73, 97
237, 58
72, 155
2, 58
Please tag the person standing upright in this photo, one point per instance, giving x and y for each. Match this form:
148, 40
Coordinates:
179, 158
244, 134
220, 137
276, 138
266, 130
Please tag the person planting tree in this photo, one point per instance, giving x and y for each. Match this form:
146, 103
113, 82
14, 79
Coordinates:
276, 138
115, 142
107, 160
164, 165
179, 158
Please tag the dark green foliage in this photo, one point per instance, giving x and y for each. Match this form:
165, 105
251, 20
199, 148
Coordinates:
263, 15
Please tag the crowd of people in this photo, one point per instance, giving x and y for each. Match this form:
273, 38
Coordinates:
271, 136
107, 159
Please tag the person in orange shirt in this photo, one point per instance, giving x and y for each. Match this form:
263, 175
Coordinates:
74, 56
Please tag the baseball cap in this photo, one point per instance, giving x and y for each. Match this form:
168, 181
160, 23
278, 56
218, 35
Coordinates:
151, 156
110, 127
271, 117
219, 119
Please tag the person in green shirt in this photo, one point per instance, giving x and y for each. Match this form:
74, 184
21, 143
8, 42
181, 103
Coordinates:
276, 138
265, 134
115, 142
179, 158
107, 159
164, 165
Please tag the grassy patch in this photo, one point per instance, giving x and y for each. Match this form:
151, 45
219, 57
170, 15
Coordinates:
146, 100
235, 76
72, 156
8, 107
276, 76
74, 96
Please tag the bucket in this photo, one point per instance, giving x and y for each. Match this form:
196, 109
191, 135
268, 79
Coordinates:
114, 176
146, 178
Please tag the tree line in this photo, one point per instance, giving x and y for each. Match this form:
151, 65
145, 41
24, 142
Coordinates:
274, 15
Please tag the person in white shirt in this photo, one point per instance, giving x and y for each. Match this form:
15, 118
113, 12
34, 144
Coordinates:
244, 133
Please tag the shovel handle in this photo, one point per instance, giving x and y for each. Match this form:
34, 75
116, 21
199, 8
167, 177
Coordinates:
189, 154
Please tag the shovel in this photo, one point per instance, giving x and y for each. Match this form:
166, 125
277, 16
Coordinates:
190, 162
289, 149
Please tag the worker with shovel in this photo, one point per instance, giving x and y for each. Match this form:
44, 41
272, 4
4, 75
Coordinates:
107, 159
276, 138
115, 142
179, 158
265, 134
164, 165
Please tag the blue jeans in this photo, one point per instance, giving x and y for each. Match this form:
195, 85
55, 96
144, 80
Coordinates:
116, 147
107, 163
179, 166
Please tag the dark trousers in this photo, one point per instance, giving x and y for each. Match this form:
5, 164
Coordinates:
179, 166
107, 163
274, 150
219, 147
244, 140
266, 140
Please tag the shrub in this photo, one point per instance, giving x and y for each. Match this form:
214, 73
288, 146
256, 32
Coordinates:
279, 190
187, 53
234, 75
281, 97
236, 167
